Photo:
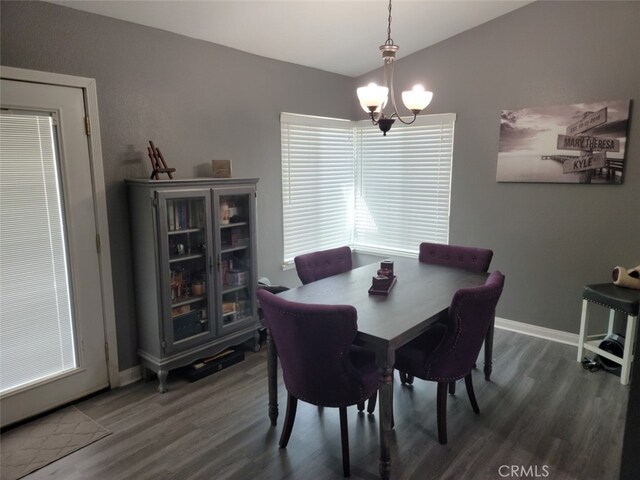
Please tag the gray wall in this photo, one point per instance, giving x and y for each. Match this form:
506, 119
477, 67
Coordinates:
199, 101
548, 239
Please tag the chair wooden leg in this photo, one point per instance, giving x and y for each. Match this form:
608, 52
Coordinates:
371, 406
442, 412
292, 405
344, 434
468, 381
452, 388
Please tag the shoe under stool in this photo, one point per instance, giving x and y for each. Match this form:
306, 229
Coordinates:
616, 299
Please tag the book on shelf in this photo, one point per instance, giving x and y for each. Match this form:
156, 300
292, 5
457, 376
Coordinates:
190, 208
171, 215
181, 215
239, 237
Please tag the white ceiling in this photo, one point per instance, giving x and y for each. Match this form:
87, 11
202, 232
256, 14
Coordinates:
336, 36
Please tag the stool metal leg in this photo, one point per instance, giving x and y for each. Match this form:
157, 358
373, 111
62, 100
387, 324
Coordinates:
584, 320
629, 342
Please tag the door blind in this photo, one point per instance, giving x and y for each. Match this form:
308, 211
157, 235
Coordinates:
37, 339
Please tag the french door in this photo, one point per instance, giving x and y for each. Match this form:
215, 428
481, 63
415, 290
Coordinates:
52, 330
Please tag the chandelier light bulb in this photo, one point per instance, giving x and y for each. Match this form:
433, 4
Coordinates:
416, 99
372, 97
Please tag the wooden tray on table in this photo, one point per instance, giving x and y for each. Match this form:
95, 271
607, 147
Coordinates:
373, 291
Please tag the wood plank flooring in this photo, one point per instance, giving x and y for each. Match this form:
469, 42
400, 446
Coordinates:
541, 409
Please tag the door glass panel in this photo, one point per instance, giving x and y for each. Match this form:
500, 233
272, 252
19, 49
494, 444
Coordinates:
36, 317
236, 261
186, 227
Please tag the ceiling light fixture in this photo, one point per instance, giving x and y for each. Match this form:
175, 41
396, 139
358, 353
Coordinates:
373, 98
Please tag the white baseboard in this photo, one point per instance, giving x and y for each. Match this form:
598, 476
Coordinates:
134, 374
130, 375
540, 332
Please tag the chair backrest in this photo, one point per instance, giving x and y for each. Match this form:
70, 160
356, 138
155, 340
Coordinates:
318, 265
470, 314
469, 258
313, 343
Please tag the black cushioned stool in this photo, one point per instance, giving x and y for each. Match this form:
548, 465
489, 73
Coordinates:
616, 299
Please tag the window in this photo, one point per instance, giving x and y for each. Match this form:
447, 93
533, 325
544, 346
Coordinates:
344, 183
403, 184
317, 183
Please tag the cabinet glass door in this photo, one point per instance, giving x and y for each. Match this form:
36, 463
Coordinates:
236, 260
186, 265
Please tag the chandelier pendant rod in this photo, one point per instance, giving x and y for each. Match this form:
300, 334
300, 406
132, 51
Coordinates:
373, 99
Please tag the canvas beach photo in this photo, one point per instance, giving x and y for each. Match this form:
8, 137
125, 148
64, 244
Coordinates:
578, 143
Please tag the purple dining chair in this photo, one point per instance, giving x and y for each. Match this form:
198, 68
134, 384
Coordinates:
325, 263
320, 364
446, 352
467, 258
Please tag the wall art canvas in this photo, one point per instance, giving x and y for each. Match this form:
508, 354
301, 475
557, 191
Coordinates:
579, 143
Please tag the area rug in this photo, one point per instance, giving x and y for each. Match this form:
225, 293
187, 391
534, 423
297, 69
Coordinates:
35, 444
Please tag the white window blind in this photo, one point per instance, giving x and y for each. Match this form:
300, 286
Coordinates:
344, 183
36, 339
403, 184
317, 183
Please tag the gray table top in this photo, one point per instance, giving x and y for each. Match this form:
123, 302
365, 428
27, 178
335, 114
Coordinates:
421, 293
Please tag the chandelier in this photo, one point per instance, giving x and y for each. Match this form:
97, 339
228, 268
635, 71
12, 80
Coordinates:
373, 98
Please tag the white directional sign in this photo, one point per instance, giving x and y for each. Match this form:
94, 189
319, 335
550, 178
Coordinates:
592, 120
567, 142
585, 162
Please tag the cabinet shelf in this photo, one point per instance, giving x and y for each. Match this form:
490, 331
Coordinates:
231, 225
230, 319
229, 289
188, 316
187, 300
185, 257
184, 230
231, 248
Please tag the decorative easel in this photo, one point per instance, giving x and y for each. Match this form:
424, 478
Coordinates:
157, 162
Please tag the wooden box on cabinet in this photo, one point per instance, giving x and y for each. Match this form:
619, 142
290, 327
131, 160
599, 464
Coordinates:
194, 259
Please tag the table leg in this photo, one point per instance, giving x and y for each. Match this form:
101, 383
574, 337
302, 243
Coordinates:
488, 351
386, 411
272, 378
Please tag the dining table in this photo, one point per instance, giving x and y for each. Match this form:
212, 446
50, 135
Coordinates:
421, 294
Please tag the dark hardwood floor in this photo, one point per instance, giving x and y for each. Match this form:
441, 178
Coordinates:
541, 411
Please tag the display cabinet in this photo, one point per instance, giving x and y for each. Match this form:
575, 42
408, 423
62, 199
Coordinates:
194, 257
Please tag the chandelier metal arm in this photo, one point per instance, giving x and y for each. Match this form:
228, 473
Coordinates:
388, 74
